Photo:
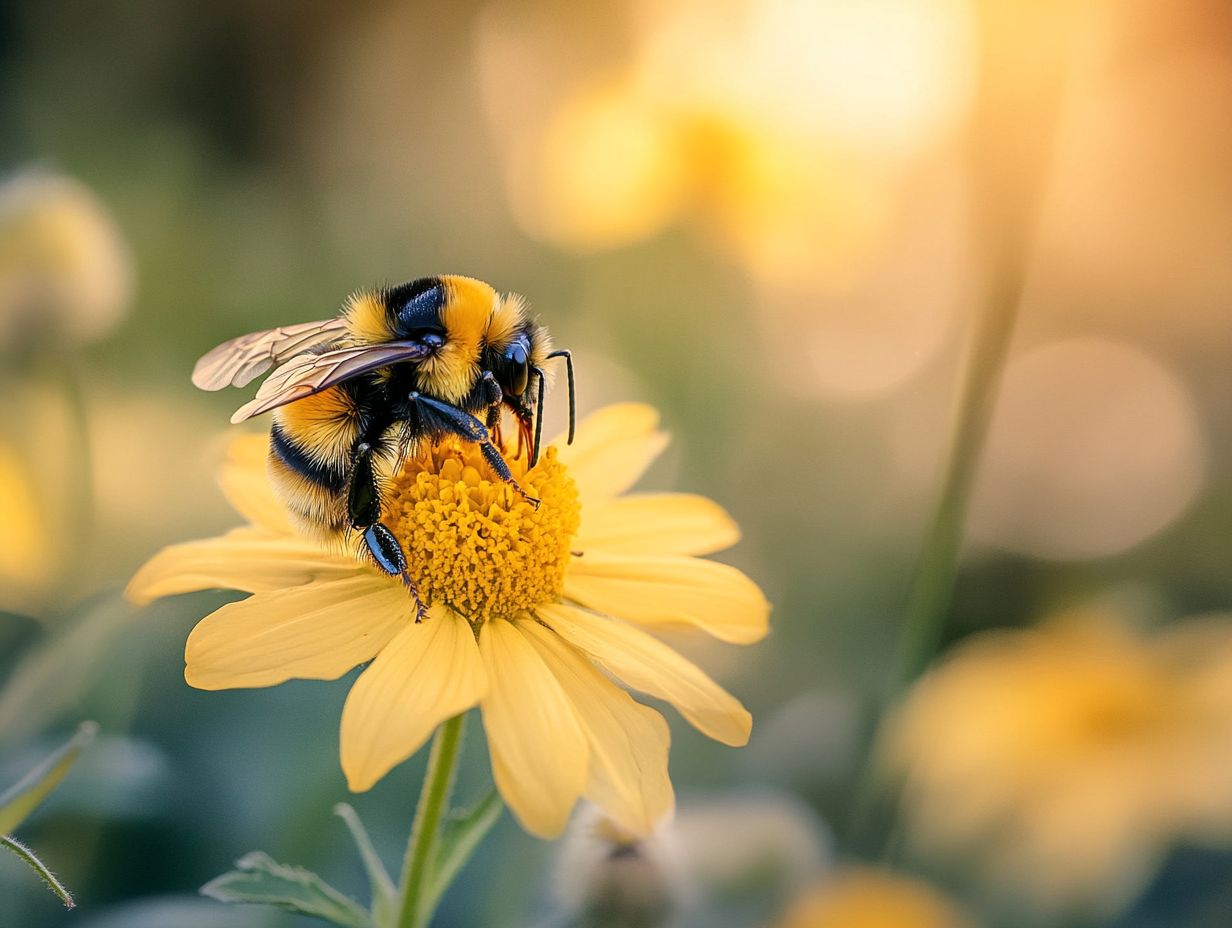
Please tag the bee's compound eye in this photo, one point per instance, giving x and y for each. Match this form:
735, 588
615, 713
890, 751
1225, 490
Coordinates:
521, 377
516, 369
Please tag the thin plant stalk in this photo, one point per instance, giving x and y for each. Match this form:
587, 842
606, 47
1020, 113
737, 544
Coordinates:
433, 804
936, 569
40, 868
932, 583
1013, 136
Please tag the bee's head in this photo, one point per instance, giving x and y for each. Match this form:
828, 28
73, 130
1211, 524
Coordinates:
468, 326
514, 347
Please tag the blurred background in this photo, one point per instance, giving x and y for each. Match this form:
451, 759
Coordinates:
779, 221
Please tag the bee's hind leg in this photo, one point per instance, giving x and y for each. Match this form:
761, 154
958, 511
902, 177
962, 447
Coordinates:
364, 505
455, 421
388, 554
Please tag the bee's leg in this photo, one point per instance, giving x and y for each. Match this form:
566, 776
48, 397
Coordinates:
446, 418
492, 397
387, 553
364, 505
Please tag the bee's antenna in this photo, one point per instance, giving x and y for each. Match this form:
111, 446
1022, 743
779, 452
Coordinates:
564, 353
534, 451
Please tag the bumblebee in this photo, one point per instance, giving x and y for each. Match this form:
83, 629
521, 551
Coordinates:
434, 357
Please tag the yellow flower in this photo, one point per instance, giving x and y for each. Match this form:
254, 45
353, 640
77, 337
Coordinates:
523, 604
1071, 756
867, 898
25, 543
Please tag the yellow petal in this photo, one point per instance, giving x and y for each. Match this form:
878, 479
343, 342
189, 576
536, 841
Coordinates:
628, 741
247, 488
243, 559
657, 523
430, 672
539, 753
612, 448
315, 632
667, 591
647, 664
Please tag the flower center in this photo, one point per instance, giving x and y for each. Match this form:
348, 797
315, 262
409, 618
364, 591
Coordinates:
473, 542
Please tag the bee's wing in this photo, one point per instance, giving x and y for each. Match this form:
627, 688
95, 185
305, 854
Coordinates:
311, 373
242, 360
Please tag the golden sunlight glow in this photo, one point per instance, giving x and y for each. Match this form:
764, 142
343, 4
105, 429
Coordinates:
780, 128
890, 76
883, 320
608, 172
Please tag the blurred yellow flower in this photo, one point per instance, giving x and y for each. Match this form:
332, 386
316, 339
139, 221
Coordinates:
1071, 756
868, 898
25, 544
522, 603
65, 271
57, 503
780, 128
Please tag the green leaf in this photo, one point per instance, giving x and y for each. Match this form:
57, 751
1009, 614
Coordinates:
38, 867
19, 800
52, 677
383, 890
260, 880
460, 836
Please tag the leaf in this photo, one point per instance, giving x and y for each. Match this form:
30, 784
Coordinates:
460, 836
383, 890
53, 675
19, 800
260, 880
38, 867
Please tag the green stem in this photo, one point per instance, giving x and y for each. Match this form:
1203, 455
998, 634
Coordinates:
932, 583
413, 912
84, 505
38, 867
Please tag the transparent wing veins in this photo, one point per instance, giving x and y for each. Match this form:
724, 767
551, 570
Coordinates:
241, 360
307, 374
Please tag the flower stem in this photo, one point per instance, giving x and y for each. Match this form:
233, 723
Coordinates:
932, 583
433, 803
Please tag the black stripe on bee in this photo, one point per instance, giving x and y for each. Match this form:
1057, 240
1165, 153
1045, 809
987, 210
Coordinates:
329, 475
415, 307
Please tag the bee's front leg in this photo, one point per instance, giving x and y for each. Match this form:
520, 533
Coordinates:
492, 396
364, 509
443, 417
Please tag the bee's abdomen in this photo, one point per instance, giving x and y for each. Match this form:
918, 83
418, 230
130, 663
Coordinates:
326, 473
309, 459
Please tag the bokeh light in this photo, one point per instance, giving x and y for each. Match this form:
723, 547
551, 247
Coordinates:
1095, 447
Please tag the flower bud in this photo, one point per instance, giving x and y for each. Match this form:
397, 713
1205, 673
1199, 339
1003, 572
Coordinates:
65, 271
606, 878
